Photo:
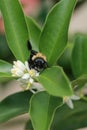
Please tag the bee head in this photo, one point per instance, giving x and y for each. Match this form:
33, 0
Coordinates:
38, 62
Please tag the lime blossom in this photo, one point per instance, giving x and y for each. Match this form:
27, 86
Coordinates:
68, 100
24, 74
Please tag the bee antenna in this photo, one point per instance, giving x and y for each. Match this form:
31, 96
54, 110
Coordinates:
29, 45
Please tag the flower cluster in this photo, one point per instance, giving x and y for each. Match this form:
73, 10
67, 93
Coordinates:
24, 74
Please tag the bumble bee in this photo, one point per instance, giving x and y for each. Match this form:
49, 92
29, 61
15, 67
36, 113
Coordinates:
37, 60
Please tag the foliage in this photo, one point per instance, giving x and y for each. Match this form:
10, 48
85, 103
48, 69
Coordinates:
46, 109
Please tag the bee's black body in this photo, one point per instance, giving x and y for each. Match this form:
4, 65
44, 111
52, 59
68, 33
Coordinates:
36, 61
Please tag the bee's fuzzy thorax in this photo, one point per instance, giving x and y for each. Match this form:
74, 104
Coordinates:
39, 55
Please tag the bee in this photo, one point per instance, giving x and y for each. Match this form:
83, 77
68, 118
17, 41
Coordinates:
36, 60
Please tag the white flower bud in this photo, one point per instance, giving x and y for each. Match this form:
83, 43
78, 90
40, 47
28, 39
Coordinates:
68, 100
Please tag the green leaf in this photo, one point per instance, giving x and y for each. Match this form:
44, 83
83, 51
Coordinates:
79, 56
67, 119
55, 82
65, 59
5, 70
5, 79
42, 110
53, 38
15, 28
34, 33
14, 105
5, 52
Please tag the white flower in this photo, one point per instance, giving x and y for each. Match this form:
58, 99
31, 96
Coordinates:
24, 73
25, 76
68, 100
18, 69
26, 81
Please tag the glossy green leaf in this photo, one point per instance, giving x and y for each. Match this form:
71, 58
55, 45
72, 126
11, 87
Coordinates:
79, 56
14, 105
42, 110
34, 33
67, 119
5, 69
53, 38
65, 59
15, 28
5, 52
55, 82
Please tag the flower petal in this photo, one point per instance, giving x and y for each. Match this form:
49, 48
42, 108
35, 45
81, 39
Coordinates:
31, 80
27, 66
70, 103
74, 97
26, 76
21, 66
